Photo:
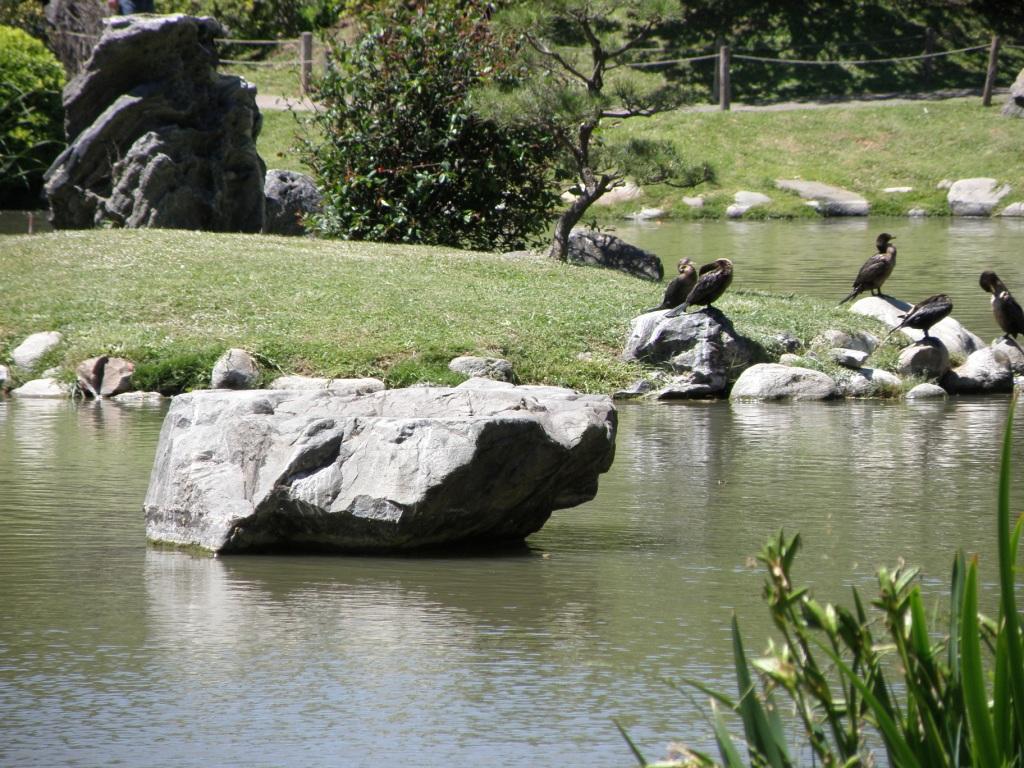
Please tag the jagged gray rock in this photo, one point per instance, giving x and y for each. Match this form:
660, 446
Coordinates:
361, 386
290, 197
868, 382
105, 376
702, 347
771, 381
157, 138
599, 249
390, 471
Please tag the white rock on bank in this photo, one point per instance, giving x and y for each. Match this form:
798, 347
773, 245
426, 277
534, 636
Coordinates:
975, 197
827, 199
867, 382
958, 340
32, 349
743, 201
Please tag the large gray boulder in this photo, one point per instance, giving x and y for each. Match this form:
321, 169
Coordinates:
157, 138
959, 341
599, 249
291, 196
702, 347
771, 381
390, 471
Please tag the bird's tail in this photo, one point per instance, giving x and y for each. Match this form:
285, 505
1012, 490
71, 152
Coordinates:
654, 309
853, 293
678, 310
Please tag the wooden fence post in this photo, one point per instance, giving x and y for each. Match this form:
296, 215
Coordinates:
724, 88
305, 60
990, 75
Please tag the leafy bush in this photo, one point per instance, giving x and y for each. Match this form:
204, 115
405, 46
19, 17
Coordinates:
26, 15
403, 157
31, 116
837, 672
259, 19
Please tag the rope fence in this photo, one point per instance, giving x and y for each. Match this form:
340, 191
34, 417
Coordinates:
723, 57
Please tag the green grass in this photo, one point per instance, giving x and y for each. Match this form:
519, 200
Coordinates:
863, 149
172, 301
276, 142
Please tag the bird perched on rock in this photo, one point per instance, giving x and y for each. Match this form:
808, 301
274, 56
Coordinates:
875, 270
680, 287
711, 284
924, 314
1005, 308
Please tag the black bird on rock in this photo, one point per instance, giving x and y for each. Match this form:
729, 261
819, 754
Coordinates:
875, 270
1005, 308
680, 287
925, 314
714, 279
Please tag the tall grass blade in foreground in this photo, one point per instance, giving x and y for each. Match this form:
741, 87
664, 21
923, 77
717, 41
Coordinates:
834, 668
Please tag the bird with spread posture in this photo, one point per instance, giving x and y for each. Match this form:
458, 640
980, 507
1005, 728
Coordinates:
1005, 308
875, 270
714, 279
680, 287
924, 314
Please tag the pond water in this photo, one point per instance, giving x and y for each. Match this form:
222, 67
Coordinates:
112, 653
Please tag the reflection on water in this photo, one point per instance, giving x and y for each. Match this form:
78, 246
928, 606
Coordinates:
148, 657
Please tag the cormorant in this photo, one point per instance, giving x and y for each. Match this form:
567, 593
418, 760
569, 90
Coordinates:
677, 290
875, 270
714, 279
1005, 308
925, 314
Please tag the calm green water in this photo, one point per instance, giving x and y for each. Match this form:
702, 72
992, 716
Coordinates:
115, 654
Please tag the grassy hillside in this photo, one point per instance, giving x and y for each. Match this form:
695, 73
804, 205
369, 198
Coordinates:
864, 149
173, 301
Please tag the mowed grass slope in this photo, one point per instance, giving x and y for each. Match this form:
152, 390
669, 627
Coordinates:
861, 148
173, 301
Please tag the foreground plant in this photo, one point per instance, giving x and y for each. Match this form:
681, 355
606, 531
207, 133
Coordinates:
927, 699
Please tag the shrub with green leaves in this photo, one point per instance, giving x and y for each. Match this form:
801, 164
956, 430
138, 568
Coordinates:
399, 154
31, 116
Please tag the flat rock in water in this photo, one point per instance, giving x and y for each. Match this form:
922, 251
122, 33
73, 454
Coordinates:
771, 381
1013, 210
975, 197
829, 200
927, 391
390, 471
958, 340
743, 201
48, 387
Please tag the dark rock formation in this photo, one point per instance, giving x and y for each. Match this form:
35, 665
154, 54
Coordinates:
602, 250
702, 347
105, 376
389, 471
290, 197
156, 137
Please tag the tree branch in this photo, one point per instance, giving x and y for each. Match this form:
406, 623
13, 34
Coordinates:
542, 49
637, 39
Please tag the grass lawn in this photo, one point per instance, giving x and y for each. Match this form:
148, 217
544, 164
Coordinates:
861, 148
173, 301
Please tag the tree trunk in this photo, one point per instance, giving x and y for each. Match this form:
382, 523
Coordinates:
568, 220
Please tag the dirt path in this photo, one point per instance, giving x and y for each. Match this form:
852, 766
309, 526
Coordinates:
273, 102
